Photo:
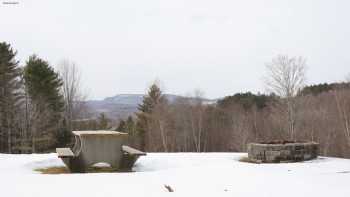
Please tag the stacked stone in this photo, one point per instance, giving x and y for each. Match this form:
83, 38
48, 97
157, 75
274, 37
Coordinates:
276, 153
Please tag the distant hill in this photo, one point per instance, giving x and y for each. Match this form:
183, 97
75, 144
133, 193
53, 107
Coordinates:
123, 105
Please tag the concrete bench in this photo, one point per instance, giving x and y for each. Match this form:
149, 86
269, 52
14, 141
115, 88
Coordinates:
64, 152
132, 151
130, 156
93, 147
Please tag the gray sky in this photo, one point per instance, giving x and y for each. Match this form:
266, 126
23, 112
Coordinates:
218, 46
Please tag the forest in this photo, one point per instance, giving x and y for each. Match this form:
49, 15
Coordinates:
40, 104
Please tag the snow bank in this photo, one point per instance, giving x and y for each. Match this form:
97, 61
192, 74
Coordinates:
189, 174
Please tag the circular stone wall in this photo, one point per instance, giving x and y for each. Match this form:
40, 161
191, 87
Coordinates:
287, 152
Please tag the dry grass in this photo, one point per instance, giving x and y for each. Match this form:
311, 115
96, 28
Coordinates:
64, 170
53, 170
247, 160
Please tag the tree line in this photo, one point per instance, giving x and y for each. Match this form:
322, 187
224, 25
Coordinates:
40, 106
37, 103
189, 125
291, 111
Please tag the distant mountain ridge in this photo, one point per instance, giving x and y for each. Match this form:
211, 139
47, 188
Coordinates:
121, 106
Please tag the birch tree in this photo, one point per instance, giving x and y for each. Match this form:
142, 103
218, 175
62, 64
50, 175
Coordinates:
73, 95
197, 114
342, 99
286, 77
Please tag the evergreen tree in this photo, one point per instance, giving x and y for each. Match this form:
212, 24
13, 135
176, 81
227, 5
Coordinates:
9, 95
43, 83
102, 121
246, 100
121, 127
322, 88
153, 97
43, 86
127, 126
130, 126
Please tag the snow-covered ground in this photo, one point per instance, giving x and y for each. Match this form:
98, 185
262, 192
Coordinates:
189, 174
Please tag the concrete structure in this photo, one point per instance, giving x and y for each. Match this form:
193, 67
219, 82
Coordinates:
288, 152
93, 147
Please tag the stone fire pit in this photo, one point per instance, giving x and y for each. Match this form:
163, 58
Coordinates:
282, 151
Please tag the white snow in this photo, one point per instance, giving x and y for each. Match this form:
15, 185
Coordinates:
189, 174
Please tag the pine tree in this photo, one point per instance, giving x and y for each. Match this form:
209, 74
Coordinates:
102, 121
153, 97
43, 83
43, 86
9, 95
121, 127
130, 126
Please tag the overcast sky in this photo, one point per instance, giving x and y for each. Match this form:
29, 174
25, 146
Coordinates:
218, 46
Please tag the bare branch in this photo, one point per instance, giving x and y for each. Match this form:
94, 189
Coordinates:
285, 75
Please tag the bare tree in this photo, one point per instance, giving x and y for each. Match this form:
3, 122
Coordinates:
342, 99
197, 120
240, 125
39, 126
72, 91
343, 106
160, 121
180, 114
285, 77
